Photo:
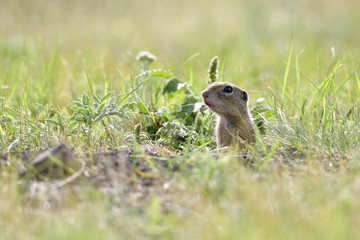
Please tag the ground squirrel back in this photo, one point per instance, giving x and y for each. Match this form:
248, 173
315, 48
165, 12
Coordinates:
230, 103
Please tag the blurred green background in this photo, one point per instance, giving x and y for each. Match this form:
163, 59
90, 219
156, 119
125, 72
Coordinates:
63, 39
178, 29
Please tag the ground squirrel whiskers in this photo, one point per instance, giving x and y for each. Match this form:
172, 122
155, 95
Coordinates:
230, 103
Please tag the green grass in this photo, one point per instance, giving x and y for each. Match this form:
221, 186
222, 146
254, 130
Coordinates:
69, 73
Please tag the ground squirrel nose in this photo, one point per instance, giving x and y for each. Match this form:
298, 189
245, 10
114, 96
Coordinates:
205, 94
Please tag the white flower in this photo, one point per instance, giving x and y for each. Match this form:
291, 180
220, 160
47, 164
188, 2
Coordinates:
145, 56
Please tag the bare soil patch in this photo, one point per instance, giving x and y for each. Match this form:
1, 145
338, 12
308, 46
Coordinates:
122, 177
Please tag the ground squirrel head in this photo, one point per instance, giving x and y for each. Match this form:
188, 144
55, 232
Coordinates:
226, 99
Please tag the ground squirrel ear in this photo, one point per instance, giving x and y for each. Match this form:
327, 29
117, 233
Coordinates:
244, 95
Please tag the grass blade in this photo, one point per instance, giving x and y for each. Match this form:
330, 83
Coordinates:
127, 96
286, 75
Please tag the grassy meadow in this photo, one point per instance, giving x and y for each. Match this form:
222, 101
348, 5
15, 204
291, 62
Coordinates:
69, 72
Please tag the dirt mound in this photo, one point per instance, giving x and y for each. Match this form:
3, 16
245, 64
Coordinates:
122, 177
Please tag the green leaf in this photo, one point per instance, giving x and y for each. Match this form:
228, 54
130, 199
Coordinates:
166, 116
100, 107
100, 116
143, 109
269, 114
84, 111
259, 109
72, 125
171, 86
85, 100
96, 99
106, 96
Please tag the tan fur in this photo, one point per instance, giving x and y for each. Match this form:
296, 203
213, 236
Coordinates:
234, 125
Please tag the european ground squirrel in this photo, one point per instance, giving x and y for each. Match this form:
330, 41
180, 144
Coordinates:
230, 103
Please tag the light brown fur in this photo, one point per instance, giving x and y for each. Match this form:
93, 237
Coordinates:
234, 125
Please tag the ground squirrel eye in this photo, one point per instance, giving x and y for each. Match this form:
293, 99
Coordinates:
228, 89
